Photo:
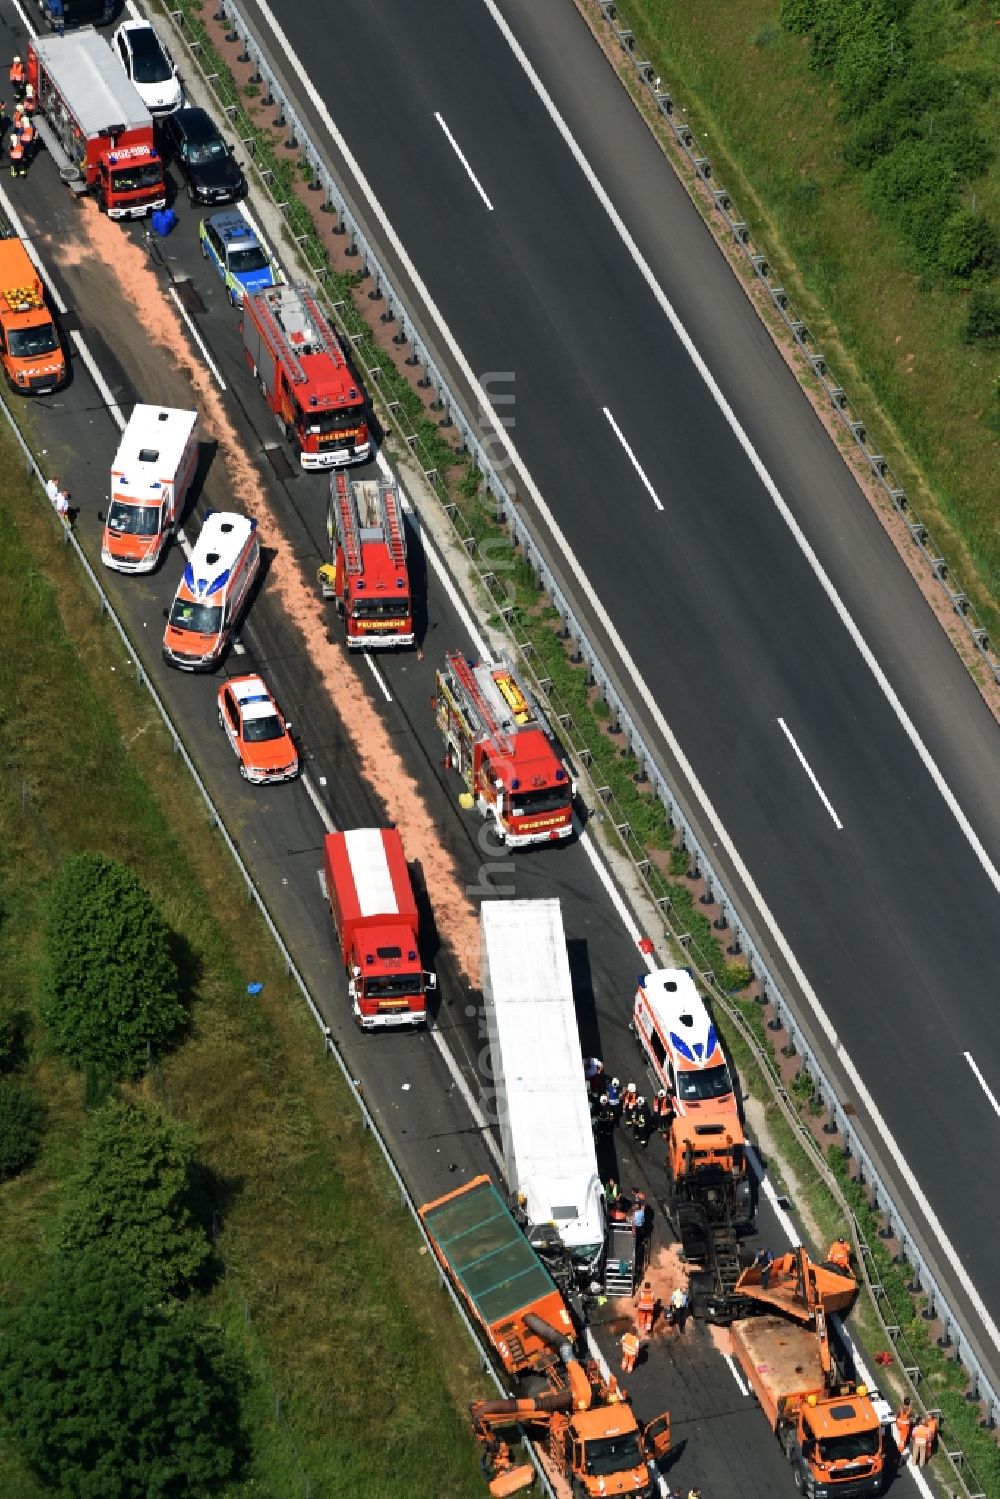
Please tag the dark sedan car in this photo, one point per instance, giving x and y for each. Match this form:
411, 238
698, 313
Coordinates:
207, 164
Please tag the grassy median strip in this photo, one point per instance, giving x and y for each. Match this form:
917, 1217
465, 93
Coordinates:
358, 1373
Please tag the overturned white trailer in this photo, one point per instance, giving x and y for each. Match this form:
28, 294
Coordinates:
542, 1104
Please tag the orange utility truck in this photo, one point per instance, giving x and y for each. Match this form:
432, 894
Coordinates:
375, 914
709, 1203
300, 367
582, 1422
826, 1424
367, 573
30, 348
94, 124
502, 747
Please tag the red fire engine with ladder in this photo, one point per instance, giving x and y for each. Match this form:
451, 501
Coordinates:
503, 749
367, 573
304, 378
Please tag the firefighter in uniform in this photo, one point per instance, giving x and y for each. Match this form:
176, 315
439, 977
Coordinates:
30, 102
28, 135
17, 77
629, 1100
16, 150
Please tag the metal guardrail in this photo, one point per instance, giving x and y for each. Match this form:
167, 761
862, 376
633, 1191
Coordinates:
255, 898
289, 119
851, 419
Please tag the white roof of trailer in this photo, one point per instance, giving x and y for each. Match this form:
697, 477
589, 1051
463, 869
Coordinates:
535, 1045
91, 80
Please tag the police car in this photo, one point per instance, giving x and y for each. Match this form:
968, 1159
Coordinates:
258, 733
237, 254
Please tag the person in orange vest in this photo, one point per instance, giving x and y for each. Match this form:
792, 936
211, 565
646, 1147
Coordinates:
30, 102
663, 1111
16, 150
28, 134
630, 1098
17, 78
921, 1441
839, 1254
646, 1309
630, 1351
903, 1425
932, 1434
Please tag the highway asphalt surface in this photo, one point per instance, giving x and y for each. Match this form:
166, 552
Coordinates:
720, 1440
891, 914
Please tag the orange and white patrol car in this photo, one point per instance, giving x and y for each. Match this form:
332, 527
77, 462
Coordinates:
257, 731
672, 1025
212, 592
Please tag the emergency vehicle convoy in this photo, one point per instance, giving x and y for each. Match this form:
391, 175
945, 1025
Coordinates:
94, 124
30, 348
151, 476
296, 359
367, 574
212, 592
501, 746
583, 1422
375, 915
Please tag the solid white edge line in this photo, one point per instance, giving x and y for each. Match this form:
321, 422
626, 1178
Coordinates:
863, 1095
632, 458
736, 1373
810, 773
197, 337
378, 676
982, 1081
453, 143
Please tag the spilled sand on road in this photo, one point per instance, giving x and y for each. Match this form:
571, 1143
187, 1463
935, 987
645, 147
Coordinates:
138, 283
665, 1271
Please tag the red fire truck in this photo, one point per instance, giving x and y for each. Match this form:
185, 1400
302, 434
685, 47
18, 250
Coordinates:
504, 751
375, 914
367, 573
304, 378
94, 124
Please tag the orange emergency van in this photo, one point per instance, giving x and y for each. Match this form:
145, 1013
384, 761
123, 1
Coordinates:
152, 473
31, 351
212, 592
672, 1025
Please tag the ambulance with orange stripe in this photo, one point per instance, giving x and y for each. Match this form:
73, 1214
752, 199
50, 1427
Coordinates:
215, 586
151, 477
672, 1025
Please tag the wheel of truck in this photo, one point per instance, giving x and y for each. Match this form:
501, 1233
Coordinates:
800, 1482
222, 724
243, 771
788, 1444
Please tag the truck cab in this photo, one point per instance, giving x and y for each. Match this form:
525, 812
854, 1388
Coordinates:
607, 1446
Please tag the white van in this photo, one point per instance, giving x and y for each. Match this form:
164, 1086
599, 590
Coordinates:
212, 592
153, 471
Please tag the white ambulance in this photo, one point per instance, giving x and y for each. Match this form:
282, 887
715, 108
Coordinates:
672, 1025
153, 471
212, 592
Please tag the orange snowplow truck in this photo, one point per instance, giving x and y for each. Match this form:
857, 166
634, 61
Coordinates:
500, 744
32, 354
582, 1422
367, 574
94, 124
826, 1424
294, 356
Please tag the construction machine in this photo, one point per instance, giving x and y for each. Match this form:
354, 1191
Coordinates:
709, 1204
827, 1425
582, 1422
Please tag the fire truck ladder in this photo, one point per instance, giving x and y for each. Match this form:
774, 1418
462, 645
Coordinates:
466, 678
323, 330
265, 307
349, 538
392, 524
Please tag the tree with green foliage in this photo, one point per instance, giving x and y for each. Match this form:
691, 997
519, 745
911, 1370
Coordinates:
915, 188
109, 1397
968, 244
134, 1196
111, 985
982, 321
22, 1123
